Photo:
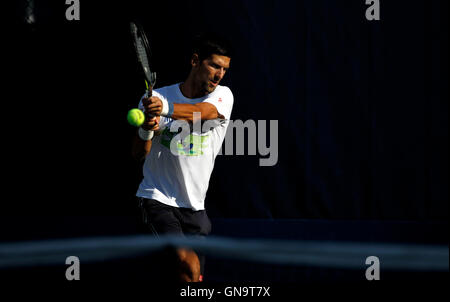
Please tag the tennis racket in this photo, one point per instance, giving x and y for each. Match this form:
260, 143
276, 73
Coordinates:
143, 54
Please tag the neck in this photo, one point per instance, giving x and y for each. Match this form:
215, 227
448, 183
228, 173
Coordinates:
191, 89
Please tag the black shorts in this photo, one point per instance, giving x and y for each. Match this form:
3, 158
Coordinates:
164, 219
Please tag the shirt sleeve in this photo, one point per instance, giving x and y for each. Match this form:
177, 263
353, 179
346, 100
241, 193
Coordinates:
223, 100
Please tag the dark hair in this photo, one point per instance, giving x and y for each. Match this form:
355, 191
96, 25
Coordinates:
208, 44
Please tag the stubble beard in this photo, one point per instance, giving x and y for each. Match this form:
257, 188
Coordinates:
207, 88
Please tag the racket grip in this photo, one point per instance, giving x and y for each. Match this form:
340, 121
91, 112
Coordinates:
148, 94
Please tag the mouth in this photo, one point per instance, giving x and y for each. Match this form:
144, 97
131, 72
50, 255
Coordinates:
214, 83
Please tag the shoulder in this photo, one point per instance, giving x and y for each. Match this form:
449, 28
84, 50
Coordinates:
224, 93
224, 90
167, 89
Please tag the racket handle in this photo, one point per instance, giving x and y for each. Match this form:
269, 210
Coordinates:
148, 93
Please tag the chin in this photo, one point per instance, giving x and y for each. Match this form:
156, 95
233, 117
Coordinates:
209, 88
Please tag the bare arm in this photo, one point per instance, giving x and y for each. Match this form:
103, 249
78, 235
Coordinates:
140, 147
186, 111
183, 111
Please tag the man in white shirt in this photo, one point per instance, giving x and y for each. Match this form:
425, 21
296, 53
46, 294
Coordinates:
178, 168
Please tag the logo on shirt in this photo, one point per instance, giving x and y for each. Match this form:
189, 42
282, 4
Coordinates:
220, 99
191, 145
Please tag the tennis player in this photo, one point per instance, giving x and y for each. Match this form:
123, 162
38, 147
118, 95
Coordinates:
176, 169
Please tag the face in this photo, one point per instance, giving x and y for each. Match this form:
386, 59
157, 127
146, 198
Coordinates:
210, 71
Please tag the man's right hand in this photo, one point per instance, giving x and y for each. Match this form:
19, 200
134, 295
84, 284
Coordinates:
150, 122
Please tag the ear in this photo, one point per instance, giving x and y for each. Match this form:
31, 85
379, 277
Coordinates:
195, 60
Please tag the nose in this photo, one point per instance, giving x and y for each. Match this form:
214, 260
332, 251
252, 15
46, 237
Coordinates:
220, 73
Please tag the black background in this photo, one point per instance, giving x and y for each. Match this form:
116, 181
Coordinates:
361, 107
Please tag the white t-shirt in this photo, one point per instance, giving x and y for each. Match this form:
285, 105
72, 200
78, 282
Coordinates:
182, 180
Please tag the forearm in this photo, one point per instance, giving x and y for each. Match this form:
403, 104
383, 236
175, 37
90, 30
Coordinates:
140, 148
180, 111
186, 111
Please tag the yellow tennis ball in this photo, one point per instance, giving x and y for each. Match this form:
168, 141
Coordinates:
135, 117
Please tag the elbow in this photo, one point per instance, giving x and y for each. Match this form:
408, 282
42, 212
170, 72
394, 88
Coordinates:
137, 156
207, 111
209, 114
